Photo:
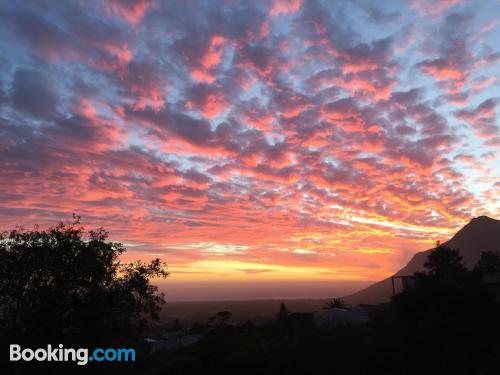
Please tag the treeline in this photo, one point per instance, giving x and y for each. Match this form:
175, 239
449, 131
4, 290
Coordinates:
447, 321
67, 286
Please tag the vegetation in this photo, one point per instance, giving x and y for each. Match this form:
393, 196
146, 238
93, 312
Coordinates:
449, 318
488, 263
335, 303
446, 323
65, 285
283, 313
221, 317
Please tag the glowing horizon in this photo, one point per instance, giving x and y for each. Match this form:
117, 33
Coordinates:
281, 140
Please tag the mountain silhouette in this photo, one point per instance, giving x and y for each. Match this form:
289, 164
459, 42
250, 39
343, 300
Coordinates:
480, 234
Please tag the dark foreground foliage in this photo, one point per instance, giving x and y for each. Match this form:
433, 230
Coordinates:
59, 286
67, 286
447, 323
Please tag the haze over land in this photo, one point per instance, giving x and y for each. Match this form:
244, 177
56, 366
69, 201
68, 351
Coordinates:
262, 149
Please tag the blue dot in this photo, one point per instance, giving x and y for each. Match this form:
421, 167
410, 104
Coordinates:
91, 358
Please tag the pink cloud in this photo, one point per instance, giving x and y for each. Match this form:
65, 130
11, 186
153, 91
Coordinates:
285, 7
198, 125
433, 8
483, 118
442, 70
210, 60
131, 11
482, 83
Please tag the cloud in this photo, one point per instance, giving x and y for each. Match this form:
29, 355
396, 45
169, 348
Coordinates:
433, 8
33, 93
131, 11
45, 38
284, 7
380, 16
482, 119
208, 100
253, 271
274, 134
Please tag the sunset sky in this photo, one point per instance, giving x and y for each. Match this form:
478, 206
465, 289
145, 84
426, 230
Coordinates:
250, 141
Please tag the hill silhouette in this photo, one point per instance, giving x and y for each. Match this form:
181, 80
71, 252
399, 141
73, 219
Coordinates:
480, 234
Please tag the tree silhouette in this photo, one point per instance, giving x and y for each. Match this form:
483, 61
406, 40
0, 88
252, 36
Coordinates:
283, 313
335, 303
445, 262
489, 262
223, 316
448, 317
220, 318
65, 285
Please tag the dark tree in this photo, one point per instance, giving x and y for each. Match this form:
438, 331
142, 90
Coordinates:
335, 303
445, 262
65, 285
220, 318
283, 313
448, 317
223, 316
489, 262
